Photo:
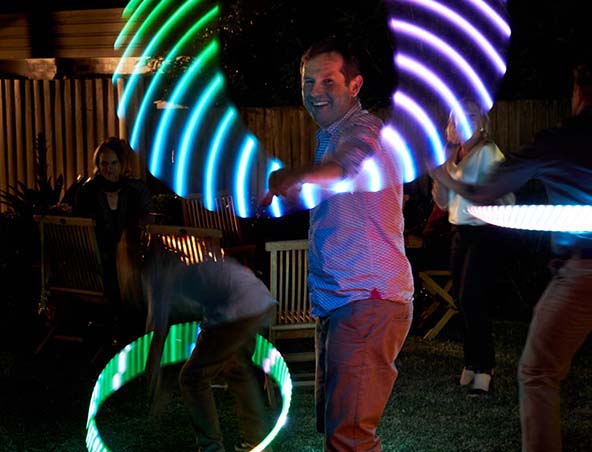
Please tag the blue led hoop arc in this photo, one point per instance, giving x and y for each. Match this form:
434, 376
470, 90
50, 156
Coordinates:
243, 168
493, 17
374, 175
152, 49
213, 157
180, 89
311, 195
192, 129
444, 50
158, 76
424, 31
438, 86
130, 363
403, 100
275, 207
398, 145
467, 28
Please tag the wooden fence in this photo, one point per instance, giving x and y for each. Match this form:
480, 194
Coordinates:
77, 114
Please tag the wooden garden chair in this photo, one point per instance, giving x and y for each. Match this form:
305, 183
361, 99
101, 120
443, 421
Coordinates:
71, 273
438, 284
292, 320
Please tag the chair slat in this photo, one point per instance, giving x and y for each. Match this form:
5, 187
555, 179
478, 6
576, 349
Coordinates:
193, 245
224, 217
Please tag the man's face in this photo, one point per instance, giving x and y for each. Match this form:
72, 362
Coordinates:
325, 94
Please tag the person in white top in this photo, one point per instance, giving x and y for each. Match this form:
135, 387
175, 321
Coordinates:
474, 246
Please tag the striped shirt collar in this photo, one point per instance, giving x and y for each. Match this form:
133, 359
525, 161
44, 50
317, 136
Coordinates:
356, 107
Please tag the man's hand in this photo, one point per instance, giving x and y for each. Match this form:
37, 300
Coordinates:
284, 183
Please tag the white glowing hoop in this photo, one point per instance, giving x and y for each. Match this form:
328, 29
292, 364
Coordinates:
555, 218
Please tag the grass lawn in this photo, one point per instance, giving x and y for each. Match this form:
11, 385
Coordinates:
45, 403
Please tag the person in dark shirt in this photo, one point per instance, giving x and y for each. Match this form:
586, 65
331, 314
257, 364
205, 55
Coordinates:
120, 205
561, 158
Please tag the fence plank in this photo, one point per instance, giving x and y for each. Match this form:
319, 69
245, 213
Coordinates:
4, 100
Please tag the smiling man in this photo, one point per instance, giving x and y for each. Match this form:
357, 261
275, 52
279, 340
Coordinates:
359, 277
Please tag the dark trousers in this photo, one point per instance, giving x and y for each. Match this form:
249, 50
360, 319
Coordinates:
224, 350
474, 260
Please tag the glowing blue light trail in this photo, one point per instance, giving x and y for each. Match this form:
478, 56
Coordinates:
192, 129
213, 157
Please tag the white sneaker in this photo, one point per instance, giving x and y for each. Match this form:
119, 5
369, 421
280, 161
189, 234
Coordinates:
466, 376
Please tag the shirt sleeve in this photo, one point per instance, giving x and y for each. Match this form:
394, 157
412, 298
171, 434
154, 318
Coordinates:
508, 176
357, 143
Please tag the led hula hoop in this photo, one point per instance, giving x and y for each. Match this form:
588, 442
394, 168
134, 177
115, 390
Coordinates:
130, 363
445, 50
553, 218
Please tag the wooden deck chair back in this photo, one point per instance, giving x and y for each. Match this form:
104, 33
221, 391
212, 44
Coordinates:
71, 278
288, 276
192, 245
224, 217
70, 257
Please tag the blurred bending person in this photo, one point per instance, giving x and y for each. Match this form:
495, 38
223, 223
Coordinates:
475, 245
561, 158
233, 305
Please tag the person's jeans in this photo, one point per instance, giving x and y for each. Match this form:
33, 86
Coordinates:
561, 322
356, 349
224, 350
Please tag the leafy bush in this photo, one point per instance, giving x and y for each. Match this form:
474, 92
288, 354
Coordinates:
44, 197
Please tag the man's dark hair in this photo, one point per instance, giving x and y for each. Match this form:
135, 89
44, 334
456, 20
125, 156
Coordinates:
350, 67
583, 78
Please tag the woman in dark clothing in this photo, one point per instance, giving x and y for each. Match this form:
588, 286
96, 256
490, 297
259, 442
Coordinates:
120, 206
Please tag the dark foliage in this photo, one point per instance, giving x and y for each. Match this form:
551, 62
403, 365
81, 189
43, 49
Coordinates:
44, 196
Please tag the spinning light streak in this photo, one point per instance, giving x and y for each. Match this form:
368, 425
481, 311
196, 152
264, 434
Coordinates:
556, 218
402, 101
130, 363
275, 206
191, 129
401, 151
213, 156
242, 171
441, 57
195, 146
157, 80
199, 144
